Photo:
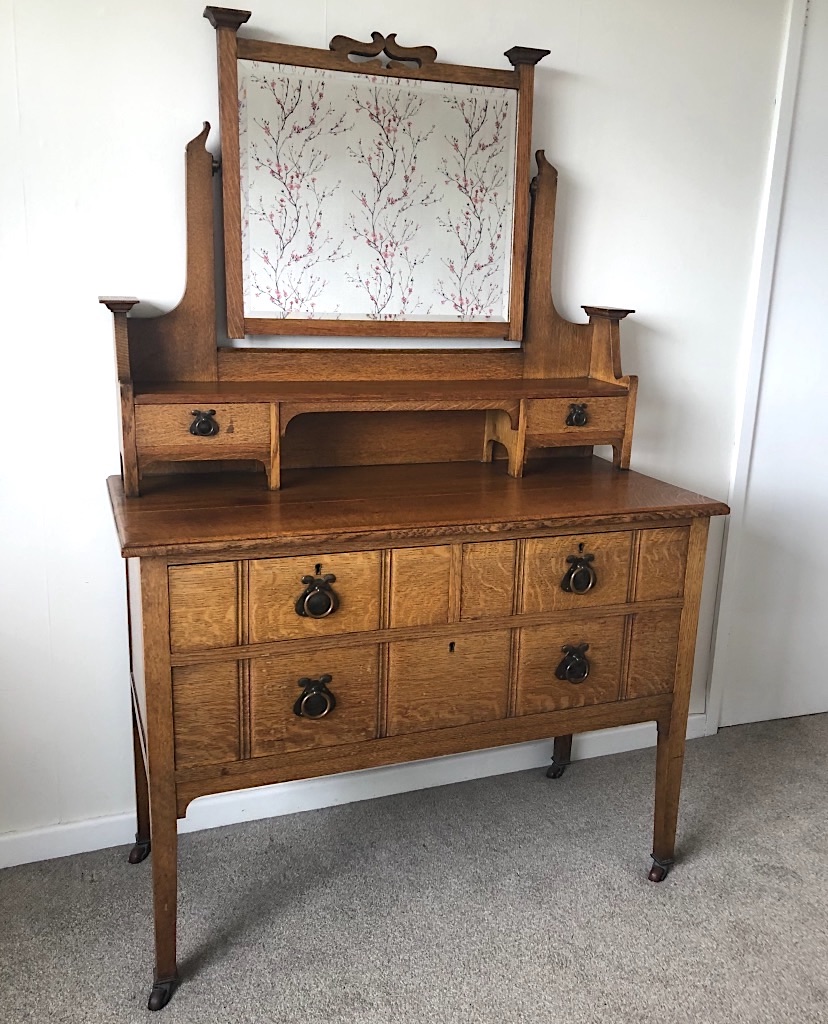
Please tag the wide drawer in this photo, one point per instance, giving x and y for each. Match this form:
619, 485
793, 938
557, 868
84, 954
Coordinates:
163, 431
282, 686
291, 598
576, 417
437, 683
576, 571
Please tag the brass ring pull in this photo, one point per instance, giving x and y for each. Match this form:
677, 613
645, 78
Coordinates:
316, 700
580, 577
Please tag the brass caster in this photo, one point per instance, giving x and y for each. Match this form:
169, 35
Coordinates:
161, 994
659, 870
140, 851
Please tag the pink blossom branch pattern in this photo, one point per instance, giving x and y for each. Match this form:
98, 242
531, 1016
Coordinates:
287, 151
476, 170
386, 217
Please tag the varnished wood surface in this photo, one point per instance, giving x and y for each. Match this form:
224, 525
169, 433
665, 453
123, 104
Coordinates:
265, 327
541, 650
274, 688
181, 344
489, 573
276, 584
410, 364
309, 764
436, 684
199, 515
421, 391
545, 565
420, 586
204, 603
307, 56
335, 640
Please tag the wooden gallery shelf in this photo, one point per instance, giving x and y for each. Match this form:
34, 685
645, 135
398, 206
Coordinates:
249, 420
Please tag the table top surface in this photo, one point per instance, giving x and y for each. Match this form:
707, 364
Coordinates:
234, 513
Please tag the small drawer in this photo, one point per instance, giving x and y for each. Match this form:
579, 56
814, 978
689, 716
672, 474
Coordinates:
580, 571
543, 658
488, 580
241, 431
653, 653
438, 683
203, 606
279, 595
571, 418
206, 713
344, 710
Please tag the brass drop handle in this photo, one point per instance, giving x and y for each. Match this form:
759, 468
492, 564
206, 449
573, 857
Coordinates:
580, 577
317, 600
316, 700
204, 425
574, 666
577, 415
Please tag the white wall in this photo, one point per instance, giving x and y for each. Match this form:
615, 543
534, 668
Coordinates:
657, 114
774, 655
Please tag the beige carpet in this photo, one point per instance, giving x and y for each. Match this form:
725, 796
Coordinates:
512, 899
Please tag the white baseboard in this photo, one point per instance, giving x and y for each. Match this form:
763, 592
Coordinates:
311, 794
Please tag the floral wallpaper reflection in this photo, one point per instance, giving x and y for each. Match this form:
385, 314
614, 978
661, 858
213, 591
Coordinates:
371, 197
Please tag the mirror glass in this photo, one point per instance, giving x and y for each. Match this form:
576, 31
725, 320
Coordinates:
375, 198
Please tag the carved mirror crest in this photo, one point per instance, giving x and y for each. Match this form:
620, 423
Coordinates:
372, 197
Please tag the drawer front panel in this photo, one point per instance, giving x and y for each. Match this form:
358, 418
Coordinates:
541, 653
206, 713
163, 432
420, 581
276, 586
653, 653
546, 566
437, 683
662, 559
546, 418
488, 579
203, 606
274, 690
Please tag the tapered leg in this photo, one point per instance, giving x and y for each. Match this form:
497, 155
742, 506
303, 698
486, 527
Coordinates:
142, 837
669, 765
164, 899
561, 756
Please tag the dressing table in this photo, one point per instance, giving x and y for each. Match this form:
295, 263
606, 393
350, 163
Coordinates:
344, 558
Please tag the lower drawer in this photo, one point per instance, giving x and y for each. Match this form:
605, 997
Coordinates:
588, 653
276, 695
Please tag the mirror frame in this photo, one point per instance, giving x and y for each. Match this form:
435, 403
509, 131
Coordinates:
405, 62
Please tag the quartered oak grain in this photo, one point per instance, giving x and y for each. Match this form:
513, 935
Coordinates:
237, 514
